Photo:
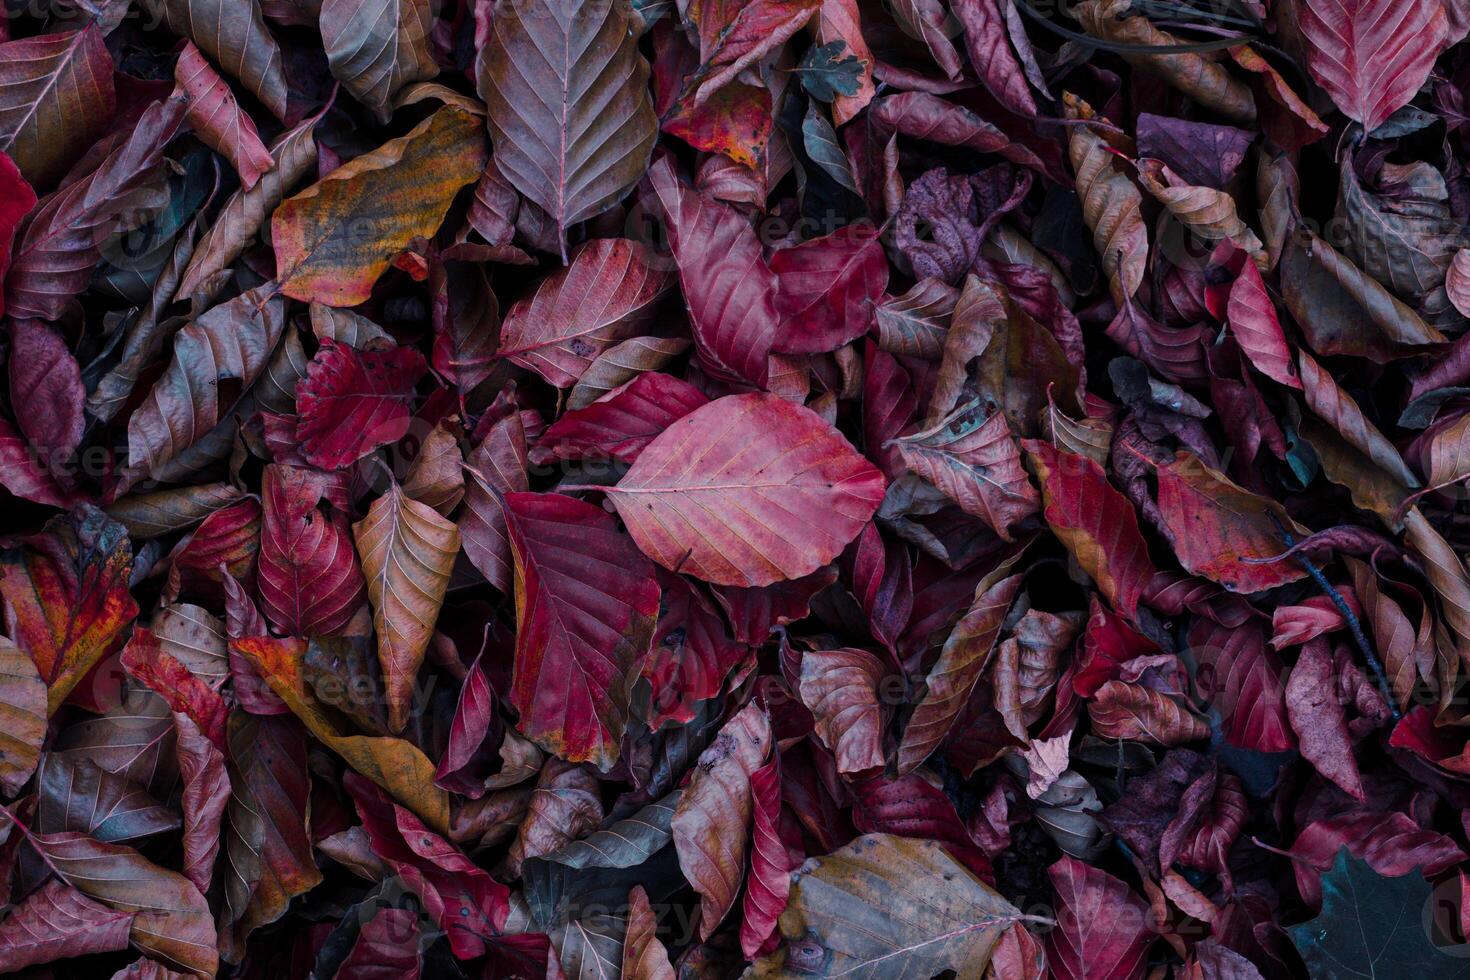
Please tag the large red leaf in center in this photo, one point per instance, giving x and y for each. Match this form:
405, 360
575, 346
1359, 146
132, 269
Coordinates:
748, 490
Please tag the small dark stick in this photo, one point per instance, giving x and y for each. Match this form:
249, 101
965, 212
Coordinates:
1355, 627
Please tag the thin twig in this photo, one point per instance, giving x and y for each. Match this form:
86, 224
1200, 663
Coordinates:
1354, 626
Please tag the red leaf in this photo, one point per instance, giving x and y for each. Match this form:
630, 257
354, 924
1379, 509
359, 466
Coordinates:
16, 200
692, 654
1214, 524
216, 117
185, 693
1241, 678
826, 289
225, 544
975, 461
58, 922
66, 597
728, 288
734, 35
769, 884
351, 401
1254, 325
747, 490
1096, 523
495, 468
475, 716
882, 582
1316, 712
754, 613
988, 41
310, 583
586, 604
461, 897
1102, 930
1107, 644
46, 392
1392, 844
620, 423
606, 294
1372, 56
387, 948
61, 242
913, 806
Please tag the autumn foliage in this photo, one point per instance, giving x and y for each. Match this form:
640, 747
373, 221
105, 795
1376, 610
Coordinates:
734, 488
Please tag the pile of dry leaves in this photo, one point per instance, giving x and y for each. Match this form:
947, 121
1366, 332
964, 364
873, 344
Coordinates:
718, 488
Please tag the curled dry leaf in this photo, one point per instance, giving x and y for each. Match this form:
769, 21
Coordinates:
949, 684
1111, 205
1140, 714
842, 690
710, 824
1158, 52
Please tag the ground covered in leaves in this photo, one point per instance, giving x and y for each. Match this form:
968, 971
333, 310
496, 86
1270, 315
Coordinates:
719, 488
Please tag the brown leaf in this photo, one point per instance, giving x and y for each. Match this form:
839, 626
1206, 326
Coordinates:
644, 956
378, 48
233, 33
232, 341
244, 214
574, 157
564, 807
1207, 212
1342, 310
976, 462
843, 688
954, 675
436, 478
171, 920
407, 552
979, 313
22, 717
1205, 81
334, 239
886, 905
394, 764
1111, 205
57, 99
711, 823
1136, 713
